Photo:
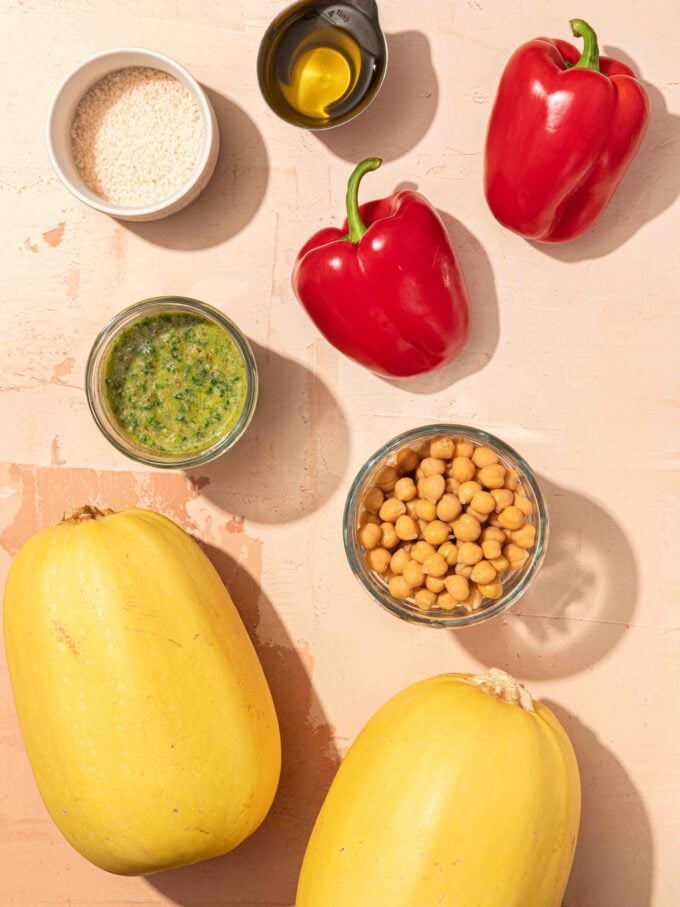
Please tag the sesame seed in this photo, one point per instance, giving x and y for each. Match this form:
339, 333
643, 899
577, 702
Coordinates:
136, 136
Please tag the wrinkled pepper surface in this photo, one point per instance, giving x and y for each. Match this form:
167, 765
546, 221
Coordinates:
564, 128
387, 289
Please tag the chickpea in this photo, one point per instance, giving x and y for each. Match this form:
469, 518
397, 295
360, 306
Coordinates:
391, 509
491, 549
524, 504
502, 498
434, 584
435, 565
511, 518
467, 528
398, 561
511, 479
464, 448
406, 528
425, 599
483, 573
452, 485
389, 537
411, 508
432, 466
491, 532
431, 488
405, 489
413, 574
524, 537
407, 460
474, 599
449, 552
422, 550
467, 491
444, 523
378, 559
386, 478
448, 508
443, 448
484, 456
469, 553
436, 532
458, 587
483, 502
515, 555
372, 499
369, 535
446, 602
463, 469
399, 588
425, 510
492, 590
492, 476
500, 564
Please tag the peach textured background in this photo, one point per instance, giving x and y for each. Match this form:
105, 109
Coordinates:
571, 360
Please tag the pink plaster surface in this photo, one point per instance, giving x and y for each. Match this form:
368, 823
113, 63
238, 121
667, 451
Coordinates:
572, 360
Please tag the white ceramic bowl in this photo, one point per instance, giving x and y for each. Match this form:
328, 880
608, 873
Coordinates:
60, 118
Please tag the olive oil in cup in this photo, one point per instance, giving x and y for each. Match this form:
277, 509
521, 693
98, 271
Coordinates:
171, 382
320, 64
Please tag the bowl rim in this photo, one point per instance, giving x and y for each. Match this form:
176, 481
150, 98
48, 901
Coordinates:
120, 321
391, 604
146, 57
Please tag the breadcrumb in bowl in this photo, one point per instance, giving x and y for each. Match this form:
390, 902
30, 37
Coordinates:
132, 134
136, 136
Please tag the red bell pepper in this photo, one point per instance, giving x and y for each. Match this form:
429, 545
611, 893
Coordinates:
563, 130
387, 289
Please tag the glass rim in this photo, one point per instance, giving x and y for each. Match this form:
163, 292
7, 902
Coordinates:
425, 618
138, 310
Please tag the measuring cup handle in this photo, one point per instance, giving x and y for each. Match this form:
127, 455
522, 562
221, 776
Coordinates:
368, 7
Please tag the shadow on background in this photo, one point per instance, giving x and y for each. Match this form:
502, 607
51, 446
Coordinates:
485, 330
265, 868
580, 605
232, 197
293, 455
615, 853
402, 111
651, 184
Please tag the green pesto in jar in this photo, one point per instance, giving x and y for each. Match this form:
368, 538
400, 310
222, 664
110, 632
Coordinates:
176, 383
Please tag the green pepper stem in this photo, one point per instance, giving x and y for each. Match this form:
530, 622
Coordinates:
590, 58
357, 227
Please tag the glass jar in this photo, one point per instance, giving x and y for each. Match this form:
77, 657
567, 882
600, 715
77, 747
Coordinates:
97, 397
515, 583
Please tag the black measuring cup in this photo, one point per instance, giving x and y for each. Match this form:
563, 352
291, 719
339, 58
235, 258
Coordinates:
349, 29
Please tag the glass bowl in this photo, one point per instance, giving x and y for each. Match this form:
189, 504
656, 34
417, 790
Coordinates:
515, 583
96, 391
